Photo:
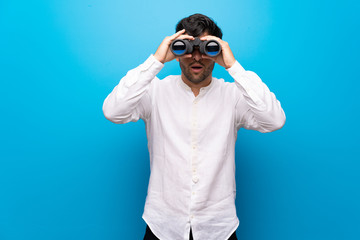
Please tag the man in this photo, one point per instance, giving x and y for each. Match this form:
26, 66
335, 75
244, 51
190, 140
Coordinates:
192, 122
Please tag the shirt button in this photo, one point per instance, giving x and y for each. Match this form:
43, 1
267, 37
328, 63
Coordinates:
193, 193
195, 179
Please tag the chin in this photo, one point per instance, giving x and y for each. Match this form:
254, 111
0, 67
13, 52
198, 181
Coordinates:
196, 80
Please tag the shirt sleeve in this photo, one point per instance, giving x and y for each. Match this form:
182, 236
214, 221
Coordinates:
256, 108
130, 99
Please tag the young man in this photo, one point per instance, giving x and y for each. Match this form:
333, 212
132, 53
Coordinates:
192, 122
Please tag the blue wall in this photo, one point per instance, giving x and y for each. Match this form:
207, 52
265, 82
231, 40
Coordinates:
68, 173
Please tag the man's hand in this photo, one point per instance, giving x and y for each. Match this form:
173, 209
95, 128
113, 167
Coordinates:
164, 54
226, 57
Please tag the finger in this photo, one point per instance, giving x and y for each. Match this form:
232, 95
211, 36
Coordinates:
185, 36
177, 34
207, 57
186, 56
209, 37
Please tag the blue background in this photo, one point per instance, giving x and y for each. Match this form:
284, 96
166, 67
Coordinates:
68, 173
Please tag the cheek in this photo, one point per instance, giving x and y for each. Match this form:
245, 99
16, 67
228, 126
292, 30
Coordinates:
184, 62
209, 64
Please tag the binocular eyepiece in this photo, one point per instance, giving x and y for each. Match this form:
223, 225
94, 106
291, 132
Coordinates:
181, 47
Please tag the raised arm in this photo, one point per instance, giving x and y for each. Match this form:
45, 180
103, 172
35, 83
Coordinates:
256, 108
130, 99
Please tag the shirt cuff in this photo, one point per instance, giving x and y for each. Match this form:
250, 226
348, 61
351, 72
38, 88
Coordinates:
152, 64
236, 68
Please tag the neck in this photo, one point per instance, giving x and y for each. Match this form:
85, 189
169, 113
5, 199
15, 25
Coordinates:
195, 87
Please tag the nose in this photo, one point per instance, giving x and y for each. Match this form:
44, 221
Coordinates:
196, 54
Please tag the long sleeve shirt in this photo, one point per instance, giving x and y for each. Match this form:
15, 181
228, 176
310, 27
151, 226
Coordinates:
191, 143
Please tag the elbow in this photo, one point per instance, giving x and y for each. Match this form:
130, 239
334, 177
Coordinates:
277, 123
280, 122
110, 115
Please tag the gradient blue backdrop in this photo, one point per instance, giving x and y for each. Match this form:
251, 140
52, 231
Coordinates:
68, 173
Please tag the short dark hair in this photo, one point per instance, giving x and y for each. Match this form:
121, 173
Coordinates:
197, 24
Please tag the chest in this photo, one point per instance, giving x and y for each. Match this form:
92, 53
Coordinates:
180, 112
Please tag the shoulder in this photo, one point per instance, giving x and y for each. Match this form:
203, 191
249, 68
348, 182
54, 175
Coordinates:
165, 84
170, 78
221, 84
226, 89
167, 81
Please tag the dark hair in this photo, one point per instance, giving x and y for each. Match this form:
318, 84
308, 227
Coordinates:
197, 24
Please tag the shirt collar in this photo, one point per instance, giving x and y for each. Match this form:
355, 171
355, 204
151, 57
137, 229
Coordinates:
187, 88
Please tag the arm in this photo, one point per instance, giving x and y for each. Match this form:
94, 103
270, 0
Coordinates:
256, 108
129, 100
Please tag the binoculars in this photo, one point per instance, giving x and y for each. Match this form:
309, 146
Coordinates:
181, 47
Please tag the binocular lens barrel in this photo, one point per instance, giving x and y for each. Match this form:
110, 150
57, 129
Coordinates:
181, 47
178, 48
212, 48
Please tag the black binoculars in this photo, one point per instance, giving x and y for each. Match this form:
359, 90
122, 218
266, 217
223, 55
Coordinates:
181, 47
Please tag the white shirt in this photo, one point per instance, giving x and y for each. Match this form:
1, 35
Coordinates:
191, 143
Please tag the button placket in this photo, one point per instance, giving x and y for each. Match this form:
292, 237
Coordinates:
194, 156
194, 140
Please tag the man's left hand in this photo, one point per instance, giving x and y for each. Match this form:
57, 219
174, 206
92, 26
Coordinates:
226, 57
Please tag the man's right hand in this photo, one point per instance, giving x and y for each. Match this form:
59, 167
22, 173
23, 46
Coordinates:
164, 54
